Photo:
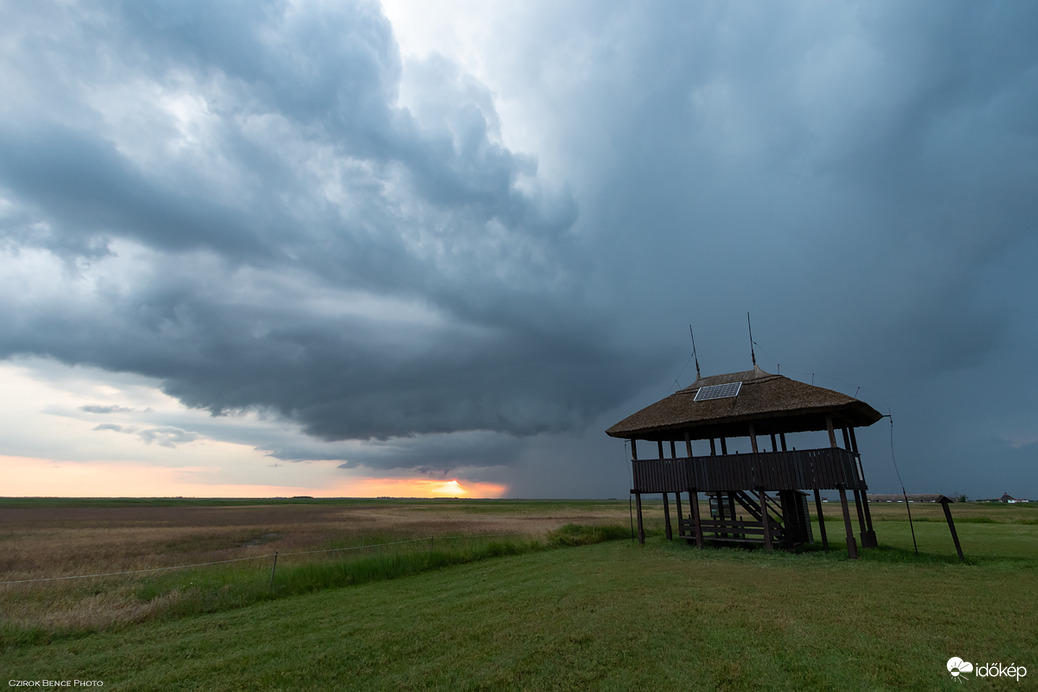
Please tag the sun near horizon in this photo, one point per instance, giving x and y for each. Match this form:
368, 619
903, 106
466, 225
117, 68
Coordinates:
452, 488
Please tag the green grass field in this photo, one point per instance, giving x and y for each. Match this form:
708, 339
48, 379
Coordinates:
610, 615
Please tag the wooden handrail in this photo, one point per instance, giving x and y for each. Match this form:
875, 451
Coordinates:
823, 468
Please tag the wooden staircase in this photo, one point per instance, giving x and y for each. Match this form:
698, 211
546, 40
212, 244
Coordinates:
785, 520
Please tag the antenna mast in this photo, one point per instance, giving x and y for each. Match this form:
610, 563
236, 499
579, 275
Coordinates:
753, 355
694, 350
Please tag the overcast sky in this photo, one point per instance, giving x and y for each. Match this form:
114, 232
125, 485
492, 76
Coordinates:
351, 248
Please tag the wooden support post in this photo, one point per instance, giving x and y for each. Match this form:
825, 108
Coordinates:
666, 518
688, 444
641, 526
753, 439
790, 519
829, 429
724, 446
637, 495
859, 500
668, 529
720, 512
821, 520
852, 547
774, 447
659, 446
677, 501
951, 527
846, 439
713, 447
765, 520
693, 502
782, 439
870, 530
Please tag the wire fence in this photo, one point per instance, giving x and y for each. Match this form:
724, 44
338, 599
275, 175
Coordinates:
275, 555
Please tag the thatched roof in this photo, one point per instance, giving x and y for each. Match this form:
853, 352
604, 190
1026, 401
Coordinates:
772, 403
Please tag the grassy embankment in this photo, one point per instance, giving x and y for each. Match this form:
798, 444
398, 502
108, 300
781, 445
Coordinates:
613, 615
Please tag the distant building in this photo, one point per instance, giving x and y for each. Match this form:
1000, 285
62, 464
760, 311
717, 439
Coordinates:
881, 497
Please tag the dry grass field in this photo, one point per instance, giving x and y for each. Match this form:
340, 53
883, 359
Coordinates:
60, 542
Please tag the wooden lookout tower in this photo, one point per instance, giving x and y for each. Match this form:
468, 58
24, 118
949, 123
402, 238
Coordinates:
757, 496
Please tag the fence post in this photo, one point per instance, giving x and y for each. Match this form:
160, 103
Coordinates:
272, 568
951, 527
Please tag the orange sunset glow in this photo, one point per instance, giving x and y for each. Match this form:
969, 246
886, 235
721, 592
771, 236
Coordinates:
423, 487
33, 477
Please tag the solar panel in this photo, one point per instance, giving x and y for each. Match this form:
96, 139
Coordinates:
718, 391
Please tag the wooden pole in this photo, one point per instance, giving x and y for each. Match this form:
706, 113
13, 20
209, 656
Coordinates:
689, 469
666, 518
641, 526
821, 520
790, 518
637, 496
693, 501
859, 500
720, 512
764, 520
753, 439
852, 547
870, 529
951, 527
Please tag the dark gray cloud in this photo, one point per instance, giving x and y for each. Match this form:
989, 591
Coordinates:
282, 212
856, 177
166, 436
163, 436
234, 198
98, 408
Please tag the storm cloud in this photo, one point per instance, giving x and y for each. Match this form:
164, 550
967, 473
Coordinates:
271, 207
241, 210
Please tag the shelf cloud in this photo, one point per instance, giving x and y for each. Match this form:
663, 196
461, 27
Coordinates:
475, 243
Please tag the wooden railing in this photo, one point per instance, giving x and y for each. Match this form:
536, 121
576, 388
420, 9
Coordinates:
733, 530
825, 468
